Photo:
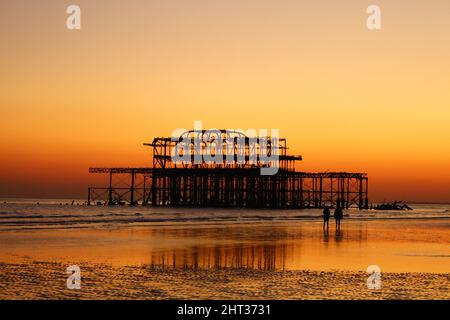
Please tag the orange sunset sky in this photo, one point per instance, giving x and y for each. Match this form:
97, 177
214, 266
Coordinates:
346, 98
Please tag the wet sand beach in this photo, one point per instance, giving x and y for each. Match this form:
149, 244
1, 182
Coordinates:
235, 259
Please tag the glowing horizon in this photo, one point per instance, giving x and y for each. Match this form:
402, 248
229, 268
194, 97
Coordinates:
346, 99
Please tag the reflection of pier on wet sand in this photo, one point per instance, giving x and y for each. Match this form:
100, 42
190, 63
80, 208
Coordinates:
224, 248
267, 257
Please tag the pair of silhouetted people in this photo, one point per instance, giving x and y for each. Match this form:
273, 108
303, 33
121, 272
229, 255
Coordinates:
338, 216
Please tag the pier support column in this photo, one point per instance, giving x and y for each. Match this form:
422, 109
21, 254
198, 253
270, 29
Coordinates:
320, 191
154, 190
331, 191
367, 194
347, 200
132, 188
144, 202
360, 194
110, 190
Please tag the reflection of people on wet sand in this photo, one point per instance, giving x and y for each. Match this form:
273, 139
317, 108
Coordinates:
326, 216
338, 216
338, 235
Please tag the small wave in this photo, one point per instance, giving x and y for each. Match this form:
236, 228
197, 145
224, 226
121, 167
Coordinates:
59, 216
430, 255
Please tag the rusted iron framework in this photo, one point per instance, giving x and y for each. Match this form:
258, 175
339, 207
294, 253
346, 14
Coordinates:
229, 184
234, 144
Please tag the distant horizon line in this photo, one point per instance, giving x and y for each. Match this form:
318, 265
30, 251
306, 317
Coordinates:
2, 199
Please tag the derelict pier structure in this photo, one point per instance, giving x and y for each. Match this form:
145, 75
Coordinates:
236, 184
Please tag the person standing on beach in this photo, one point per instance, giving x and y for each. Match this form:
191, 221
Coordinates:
326, 216
338, 216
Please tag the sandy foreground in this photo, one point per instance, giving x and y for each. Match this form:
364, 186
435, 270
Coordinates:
267, 260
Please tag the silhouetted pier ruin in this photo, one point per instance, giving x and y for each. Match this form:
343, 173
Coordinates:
235, 184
